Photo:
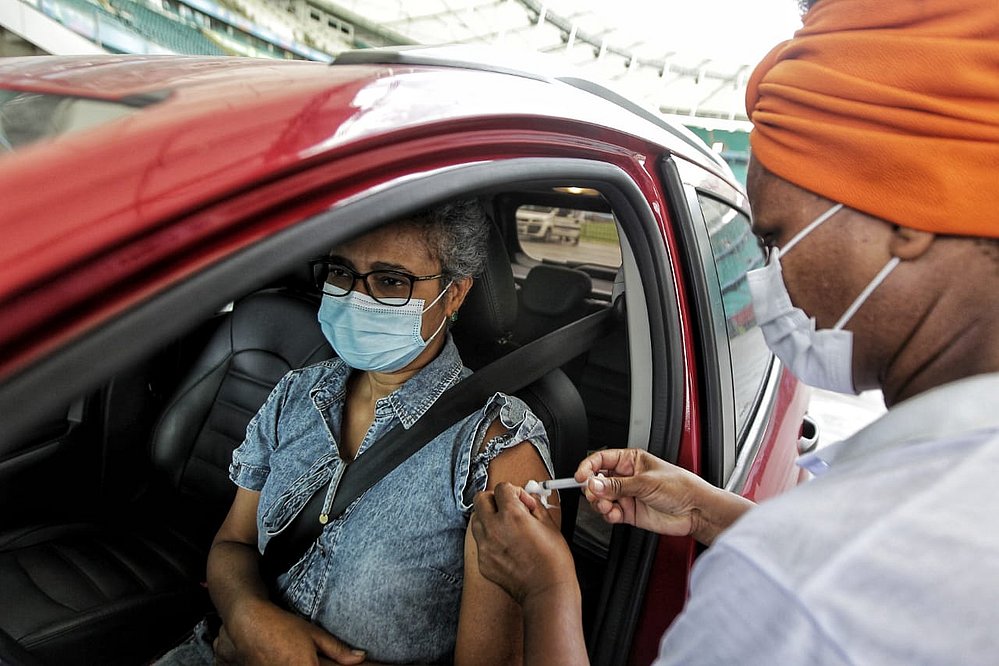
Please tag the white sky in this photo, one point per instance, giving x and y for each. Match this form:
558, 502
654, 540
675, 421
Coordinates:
724, 39
740, 31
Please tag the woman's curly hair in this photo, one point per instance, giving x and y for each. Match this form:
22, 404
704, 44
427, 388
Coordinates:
456, 232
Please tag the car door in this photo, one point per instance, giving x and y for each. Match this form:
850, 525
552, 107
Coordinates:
259, 236
754, 408
750, 410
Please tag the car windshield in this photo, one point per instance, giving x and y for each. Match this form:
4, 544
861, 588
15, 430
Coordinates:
27, 117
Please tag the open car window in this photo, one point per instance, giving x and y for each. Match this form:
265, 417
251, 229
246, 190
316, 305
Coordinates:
568, 235
151, 351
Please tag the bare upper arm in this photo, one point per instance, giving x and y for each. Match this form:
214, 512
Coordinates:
490, 626
240, 524
517, 465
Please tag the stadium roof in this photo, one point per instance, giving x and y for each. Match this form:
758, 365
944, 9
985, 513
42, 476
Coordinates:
681, 58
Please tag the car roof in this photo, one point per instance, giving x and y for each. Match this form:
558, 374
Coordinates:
210, 126
140, 80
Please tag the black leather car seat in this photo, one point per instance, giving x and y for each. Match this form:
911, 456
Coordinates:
484, 332
551, 297
121, 588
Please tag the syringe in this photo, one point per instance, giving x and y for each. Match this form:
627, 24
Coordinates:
562, 484
544, 489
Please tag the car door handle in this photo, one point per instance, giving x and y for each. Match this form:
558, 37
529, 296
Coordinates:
808, 440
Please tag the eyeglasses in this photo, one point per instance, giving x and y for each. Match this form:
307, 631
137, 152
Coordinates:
388, 287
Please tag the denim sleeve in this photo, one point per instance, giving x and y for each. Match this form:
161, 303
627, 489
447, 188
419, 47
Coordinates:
521, 426
251, 460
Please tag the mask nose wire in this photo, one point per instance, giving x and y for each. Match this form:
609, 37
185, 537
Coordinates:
807, 230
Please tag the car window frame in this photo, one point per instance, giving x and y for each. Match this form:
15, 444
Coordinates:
724, 446
748, 420
82, 363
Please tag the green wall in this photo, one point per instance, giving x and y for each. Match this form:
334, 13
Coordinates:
735, 148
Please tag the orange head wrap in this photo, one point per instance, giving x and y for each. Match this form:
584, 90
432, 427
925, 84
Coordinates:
891, 108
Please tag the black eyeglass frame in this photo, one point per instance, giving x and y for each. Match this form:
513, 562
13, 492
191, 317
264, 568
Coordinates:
328, 264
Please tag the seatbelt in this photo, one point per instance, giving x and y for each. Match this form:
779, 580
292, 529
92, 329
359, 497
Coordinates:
507, 374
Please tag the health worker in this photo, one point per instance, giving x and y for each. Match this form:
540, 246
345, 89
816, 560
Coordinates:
875, 184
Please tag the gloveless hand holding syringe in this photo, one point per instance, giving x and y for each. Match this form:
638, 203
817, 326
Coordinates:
543, 489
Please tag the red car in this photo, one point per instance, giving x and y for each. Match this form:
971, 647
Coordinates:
157, 213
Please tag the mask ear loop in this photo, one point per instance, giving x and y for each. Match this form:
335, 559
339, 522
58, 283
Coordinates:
434, 335
862, 298
432, 304
439, 297
807, 230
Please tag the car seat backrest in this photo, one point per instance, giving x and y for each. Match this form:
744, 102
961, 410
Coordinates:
551, 297
484, 329
267, 334
605, 385
483, 333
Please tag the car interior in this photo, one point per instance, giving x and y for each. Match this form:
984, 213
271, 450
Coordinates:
111, 504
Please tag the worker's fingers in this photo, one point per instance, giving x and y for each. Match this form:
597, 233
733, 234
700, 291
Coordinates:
530, 501
512, 498
611, 511
484, 502
615, 487
613, 462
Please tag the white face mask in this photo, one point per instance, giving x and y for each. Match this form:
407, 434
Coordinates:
820, 358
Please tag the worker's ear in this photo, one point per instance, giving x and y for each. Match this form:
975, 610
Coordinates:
908, 244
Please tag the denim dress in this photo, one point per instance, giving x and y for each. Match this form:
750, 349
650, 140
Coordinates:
386, 576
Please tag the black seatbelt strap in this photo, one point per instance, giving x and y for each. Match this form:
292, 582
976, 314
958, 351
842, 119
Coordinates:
507, 374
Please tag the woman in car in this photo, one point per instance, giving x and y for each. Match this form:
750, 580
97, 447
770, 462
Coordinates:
395, 577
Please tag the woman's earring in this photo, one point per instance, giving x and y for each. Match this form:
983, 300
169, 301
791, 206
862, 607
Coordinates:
454, 316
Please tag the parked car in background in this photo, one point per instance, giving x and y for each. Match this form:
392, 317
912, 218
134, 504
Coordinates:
547, 224
158, 215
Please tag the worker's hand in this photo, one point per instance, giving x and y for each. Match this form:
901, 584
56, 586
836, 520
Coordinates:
268, 634
519, 545
641, 490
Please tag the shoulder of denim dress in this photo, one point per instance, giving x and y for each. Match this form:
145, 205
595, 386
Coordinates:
513, 412
298, 389
475, 454
520, 423
316, 376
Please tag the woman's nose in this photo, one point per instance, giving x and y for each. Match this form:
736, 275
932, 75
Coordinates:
361, 285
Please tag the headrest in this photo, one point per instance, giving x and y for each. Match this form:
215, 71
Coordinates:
490, 309
555, 290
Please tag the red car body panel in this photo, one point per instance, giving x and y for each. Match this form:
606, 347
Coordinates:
217, 135
774, 471
97, 221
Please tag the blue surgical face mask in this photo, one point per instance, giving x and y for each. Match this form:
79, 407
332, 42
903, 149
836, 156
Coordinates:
820, 358
371, 336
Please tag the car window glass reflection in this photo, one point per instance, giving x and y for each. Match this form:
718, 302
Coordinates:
29, 117
737, 250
